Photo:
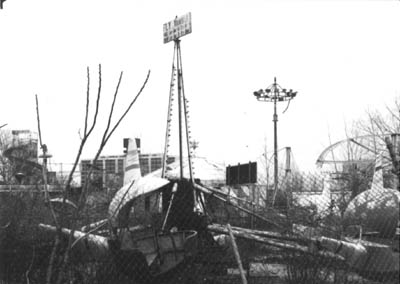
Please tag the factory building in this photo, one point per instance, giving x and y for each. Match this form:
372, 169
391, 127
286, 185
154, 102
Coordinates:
108, 171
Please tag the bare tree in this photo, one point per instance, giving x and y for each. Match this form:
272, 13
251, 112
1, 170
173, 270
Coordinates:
386, 127
88, 128
381, 124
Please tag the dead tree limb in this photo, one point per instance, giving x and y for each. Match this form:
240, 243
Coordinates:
106, 136
30, 266
282, 244
237, 255
395, 161
47, 200
44, 169
87, 132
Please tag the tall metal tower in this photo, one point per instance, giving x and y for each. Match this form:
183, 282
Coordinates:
173, 31
275, 93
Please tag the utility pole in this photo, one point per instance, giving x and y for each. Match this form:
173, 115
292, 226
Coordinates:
275, 93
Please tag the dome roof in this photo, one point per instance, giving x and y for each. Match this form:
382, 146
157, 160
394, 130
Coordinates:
202, 168
374, 210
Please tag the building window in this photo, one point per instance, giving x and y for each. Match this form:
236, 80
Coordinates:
98, 165
120, 166
156, 163
144, 165
147, 204
85, 165
110, 167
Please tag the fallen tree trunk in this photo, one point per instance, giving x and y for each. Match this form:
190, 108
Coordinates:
288, 245
274, 235
91, 245
96, 225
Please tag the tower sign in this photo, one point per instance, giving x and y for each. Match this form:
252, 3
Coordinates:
178, 27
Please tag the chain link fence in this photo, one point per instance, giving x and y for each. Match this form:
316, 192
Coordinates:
315, 229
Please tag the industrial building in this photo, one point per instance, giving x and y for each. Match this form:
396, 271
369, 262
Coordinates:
108, 171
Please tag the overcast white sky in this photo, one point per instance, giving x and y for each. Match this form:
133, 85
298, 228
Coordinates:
341, 56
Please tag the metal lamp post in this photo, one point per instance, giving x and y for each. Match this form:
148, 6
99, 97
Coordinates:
275, 93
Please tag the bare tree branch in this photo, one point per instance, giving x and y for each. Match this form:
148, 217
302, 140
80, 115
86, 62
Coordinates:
393, 113
38, 121
47, 200
97, 104
87, 99
86, 133
129, 107
112, 109
30, 266
106, 137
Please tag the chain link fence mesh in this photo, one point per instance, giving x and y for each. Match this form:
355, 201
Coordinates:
314, 229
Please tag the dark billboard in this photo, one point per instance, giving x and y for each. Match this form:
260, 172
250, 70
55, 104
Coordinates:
241, 174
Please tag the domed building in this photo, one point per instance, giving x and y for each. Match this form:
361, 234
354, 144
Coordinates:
375, 210
208, 172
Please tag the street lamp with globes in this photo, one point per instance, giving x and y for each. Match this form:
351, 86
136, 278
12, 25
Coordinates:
275, 93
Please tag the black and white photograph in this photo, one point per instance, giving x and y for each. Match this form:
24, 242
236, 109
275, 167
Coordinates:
200, 142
